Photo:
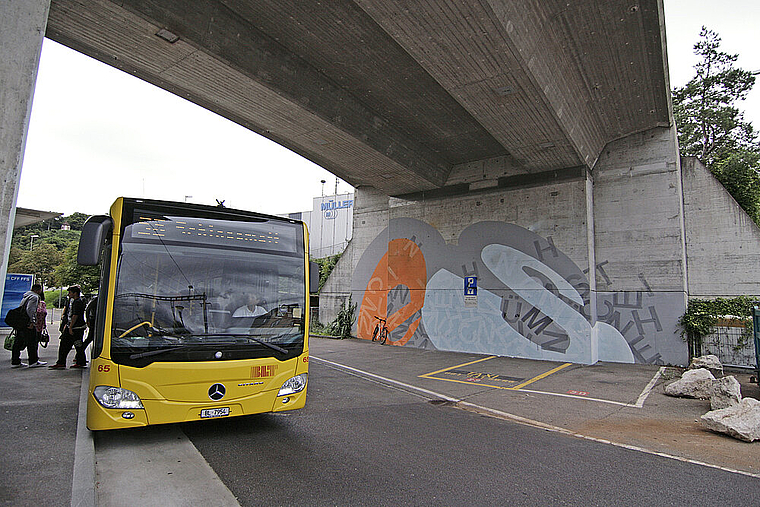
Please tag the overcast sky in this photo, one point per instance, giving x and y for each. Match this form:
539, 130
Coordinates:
97, 133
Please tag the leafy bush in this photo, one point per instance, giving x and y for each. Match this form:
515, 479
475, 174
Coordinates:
319, 328
343, 323
52, 296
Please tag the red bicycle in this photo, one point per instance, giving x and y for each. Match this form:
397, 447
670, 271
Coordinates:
381, 331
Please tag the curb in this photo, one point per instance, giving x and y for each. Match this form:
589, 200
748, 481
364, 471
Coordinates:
83, 480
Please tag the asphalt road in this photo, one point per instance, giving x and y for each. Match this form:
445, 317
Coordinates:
360, 442
38, 426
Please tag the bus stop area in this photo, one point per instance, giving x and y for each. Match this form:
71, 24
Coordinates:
50, 456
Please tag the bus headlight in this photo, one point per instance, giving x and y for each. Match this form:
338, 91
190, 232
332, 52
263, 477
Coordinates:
293, 385
116, 397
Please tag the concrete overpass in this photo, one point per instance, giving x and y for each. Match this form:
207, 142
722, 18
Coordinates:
400, 96
529, 143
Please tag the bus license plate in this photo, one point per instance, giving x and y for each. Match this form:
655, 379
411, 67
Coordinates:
215, 412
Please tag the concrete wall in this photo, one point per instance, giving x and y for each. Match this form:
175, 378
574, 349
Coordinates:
532, 249
723, 248
22, 27
336, 291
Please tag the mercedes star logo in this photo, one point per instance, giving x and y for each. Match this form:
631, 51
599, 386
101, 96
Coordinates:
216, 392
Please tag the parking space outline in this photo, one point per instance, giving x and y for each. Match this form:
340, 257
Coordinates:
522, 382
521, 386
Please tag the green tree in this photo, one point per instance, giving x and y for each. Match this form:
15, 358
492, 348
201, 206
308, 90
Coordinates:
14, 256
738, 172
42, 262
60, 238
69, 272
710, 126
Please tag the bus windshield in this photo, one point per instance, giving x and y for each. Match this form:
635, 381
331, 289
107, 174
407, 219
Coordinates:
191, 289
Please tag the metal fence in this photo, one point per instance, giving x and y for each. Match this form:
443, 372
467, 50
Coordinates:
732, 342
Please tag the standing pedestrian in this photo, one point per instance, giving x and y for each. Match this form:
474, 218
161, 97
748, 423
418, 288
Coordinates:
64, 314
26, 337
90, 313
73, 332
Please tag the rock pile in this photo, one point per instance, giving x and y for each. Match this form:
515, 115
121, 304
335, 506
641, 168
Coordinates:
729, 413
710, 362
725, 392
741, 421
693, 384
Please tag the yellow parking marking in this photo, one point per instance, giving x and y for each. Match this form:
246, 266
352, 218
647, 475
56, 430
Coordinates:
454, 367
539, 377
464, 382
432, 376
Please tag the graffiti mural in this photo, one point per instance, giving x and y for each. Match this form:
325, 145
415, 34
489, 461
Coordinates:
532, 300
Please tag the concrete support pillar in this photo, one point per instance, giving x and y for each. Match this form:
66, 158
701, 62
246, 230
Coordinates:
639, 214
371, 215
22, 29
590, 241
640, 244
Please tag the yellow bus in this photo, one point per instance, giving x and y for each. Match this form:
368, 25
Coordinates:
202, 313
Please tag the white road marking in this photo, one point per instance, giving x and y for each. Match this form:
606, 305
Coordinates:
530, 422
649, 387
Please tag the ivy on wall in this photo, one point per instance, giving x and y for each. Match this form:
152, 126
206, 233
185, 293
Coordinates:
326, 265
702, 316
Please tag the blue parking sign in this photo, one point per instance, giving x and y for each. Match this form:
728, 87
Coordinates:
470, 285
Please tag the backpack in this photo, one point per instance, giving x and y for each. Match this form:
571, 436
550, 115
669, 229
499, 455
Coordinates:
90, 311
17, 318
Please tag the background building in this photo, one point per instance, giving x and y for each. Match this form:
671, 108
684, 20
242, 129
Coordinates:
330, 224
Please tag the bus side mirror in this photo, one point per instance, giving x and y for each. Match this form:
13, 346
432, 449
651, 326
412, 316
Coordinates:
93, 237
313, 277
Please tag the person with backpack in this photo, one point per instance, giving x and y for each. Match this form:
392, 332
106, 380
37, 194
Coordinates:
90, 313
26, 336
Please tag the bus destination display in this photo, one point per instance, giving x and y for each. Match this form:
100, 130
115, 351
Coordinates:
210, 232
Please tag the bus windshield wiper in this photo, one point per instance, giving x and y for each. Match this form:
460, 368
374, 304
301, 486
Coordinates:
248, 337
155, 352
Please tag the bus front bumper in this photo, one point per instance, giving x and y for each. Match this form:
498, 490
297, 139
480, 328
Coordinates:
165, 411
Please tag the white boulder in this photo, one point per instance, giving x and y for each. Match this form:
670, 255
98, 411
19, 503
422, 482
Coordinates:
726, 392
741, 421
710, 361
693, 384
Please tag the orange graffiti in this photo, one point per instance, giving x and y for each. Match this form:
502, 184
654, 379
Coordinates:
402, 265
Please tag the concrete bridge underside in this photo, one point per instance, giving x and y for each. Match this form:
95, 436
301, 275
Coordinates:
529, 142
401, 96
